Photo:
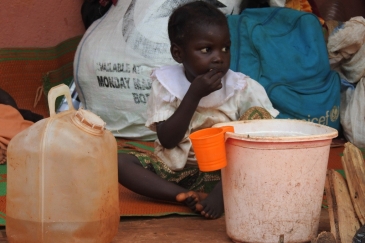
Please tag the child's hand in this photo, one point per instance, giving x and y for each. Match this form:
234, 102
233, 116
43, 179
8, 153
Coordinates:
207, 83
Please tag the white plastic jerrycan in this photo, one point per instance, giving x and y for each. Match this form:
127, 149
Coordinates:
62, 180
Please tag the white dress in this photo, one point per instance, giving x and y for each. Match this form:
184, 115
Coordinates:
169, 86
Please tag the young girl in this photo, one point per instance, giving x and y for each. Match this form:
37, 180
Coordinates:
198, 93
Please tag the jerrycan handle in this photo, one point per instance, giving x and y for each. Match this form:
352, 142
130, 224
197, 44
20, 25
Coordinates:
55, 92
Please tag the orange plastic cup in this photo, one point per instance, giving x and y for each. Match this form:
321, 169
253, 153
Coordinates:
209, 147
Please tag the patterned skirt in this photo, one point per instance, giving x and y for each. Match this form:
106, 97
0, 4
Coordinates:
190, 178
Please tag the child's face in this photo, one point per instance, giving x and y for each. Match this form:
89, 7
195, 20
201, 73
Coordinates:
207, 48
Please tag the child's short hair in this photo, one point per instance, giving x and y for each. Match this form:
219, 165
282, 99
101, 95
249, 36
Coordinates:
187, 16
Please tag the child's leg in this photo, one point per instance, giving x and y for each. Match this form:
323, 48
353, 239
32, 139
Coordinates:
212, 206
133, 176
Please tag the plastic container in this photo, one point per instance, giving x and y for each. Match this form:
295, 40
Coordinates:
273, 183
209, 147
62, 181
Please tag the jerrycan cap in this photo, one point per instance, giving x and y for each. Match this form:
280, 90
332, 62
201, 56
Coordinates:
89, 122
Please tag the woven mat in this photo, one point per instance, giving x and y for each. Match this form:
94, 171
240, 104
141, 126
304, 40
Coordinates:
132, 204
23, 71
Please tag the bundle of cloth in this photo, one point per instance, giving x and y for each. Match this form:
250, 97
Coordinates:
12, 123
13, 120
346, 48
285, 51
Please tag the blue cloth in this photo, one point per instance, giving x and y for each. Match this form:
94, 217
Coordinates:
285, 51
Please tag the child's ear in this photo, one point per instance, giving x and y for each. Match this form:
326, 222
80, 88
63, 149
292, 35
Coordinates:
176, 52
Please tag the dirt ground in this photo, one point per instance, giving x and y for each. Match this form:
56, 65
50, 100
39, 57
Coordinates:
175, 228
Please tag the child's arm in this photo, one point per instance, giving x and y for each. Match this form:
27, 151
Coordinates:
172, 131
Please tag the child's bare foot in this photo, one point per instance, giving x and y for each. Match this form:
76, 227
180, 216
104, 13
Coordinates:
212, 207
191, 198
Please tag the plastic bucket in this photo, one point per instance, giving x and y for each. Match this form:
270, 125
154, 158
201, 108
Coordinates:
209, 147
274, 179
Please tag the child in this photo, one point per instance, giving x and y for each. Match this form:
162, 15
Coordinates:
184, 98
